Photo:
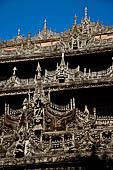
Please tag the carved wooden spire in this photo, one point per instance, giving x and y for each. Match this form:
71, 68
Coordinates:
14, 71
38, 67
38, 70
86, 111
45, 25
62, 61
19, 32
75, 18
29, 35
85, 13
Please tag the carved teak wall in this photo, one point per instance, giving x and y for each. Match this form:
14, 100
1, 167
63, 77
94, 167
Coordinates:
42, 123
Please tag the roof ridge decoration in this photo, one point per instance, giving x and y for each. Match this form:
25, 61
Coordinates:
83, 36
62, 74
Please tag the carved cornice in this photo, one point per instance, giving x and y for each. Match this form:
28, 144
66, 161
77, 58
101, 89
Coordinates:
63, 78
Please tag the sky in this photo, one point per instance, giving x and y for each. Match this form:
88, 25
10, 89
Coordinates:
29, 15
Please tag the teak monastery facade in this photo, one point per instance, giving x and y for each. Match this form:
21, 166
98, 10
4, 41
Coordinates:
56, 97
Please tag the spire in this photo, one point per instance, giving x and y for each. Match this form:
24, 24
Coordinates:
86, 111
38, 70
45, 25
85, 13
78, 68
62, 61
29, 34
75, 18
38, 67
14, 71
19, 32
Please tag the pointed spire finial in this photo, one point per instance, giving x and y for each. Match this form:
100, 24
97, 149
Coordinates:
85, 13
38, 67
14, 71
75, 18
18, 31
86, 111
38, 70
29, 34
45, 25
62, 61
78, 68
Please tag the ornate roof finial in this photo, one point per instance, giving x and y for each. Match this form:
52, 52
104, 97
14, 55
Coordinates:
86, 111
75, 18
38, 67
29, 34
78, 68
45, 25
38, 70
62, 61
85, 13
19, 32
14, 71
